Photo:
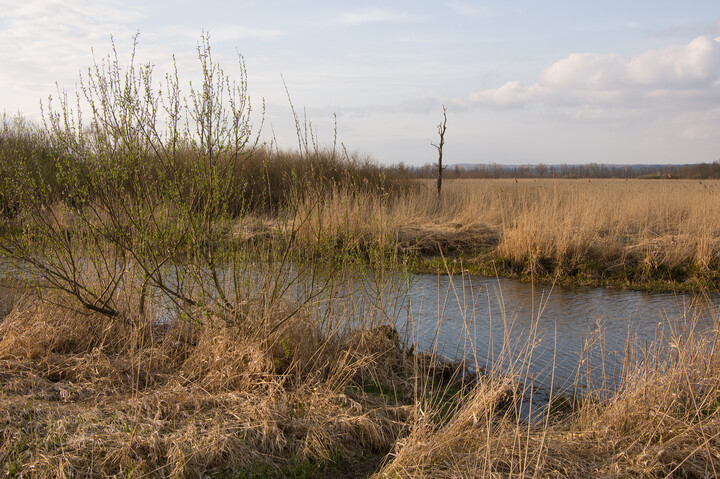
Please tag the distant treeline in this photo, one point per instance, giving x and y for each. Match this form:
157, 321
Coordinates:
590, 170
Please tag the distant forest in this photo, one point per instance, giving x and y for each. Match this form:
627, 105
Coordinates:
590, 170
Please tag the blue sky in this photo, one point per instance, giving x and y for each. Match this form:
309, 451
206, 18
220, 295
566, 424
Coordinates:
524, 82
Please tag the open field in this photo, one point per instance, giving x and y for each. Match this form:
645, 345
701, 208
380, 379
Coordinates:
622, 231
644, 234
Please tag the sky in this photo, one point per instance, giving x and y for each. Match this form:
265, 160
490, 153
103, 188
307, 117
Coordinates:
524, 82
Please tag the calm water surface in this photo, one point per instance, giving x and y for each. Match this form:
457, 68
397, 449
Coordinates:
570, 329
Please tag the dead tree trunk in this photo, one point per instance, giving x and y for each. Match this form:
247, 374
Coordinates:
442, 126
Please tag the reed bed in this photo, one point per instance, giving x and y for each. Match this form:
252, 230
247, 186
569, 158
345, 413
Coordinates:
646, 234
641, 229
662, 422
664, 221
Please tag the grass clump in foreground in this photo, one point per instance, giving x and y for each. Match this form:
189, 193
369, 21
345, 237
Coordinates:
663, 422
87, 395
90, 395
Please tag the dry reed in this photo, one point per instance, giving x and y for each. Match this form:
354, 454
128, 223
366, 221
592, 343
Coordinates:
667, 222
664, 421
86, 395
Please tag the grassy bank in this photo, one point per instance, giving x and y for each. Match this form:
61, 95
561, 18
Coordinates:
624, 233
258, 395
91, 396
651, 235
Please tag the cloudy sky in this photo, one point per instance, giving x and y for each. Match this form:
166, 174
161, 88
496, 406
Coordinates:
524, 82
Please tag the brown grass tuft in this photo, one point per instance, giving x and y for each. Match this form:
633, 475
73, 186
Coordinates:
90, 396
664, 422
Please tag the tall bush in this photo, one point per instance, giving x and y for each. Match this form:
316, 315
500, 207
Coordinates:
145, 177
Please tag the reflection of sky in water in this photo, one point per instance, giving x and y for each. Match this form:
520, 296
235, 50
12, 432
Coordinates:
479, 317
486, 314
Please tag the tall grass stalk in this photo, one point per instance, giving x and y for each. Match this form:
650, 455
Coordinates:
659, 420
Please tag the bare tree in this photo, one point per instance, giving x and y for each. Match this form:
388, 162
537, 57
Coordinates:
442, 126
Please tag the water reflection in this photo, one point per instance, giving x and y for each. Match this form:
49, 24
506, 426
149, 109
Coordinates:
486, 320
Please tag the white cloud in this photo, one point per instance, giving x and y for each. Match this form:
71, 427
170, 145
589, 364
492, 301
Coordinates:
696, 64
692, 65
584, 70
510, 95
592, 86
46, 41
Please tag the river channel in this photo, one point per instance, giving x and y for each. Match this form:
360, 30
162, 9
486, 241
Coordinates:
558, 334
550, 334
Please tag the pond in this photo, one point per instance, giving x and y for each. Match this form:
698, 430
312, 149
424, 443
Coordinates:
559, 334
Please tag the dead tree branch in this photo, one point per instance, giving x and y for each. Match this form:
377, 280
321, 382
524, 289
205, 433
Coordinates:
442, 126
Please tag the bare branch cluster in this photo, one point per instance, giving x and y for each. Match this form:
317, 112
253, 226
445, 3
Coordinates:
441, 128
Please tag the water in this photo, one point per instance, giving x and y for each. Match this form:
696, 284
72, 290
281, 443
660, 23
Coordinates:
561, 332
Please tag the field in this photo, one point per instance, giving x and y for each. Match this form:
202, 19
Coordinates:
185, 300
629, 233
640, 234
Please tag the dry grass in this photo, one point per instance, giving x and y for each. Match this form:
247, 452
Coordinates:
655, 222
619, 223
341, 218
618, 231
84, 395
88, 396
664, 422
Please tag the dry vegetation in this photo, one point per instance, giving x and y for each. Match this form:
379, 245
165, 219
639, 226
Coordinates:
257, 385
628, 233
274, 388
644, 234
663, 422
185, 308
91, 396
655, 222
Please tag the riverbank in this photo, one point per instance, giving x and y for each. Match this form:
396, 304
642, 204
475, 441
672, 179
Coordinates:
651, 235
679, 279
90, 395
654, 235
266, 384
255, 395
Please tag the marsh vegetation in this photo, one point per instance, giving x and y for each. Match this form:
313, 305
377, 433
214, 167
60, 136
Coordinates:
186, 302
